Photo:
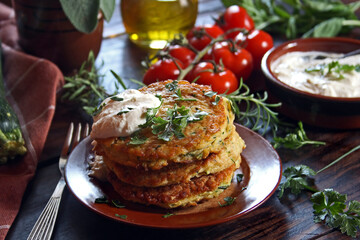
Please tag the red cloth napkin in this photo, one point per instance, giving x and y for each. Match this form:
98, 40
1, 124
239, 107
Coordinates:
32, 84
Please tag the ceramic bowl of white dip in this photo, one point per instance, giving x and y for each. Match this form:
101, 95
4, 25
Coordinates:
314, 82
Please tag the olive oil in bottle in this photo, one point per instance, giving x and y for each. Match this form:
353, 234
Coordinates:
151, 23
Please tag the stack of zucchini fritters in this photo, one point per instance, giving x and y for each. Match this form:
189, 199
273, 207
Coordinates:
192, 165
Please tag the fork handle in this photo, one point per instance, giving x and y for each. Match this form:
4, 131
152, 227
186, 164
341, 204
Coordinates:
44, 226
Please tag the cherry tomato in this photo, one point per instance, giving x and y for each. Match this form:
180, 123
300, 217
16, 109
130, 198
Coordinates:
198, 36
235, 17
236, 59
221, 80
183, 54
258, 43
162, 70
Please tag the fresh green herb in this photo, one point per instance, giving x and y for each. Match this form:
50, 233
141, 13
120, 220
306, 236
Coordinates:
125, 110
121, 216
210, 94
334, 69
150, 114
85, 89
295, 140
224, 187
257, 113
172, 86
239, 177
137, 138
180, 97
228, 201
101, 200
117, 203
175, 122
115, 98
329, 207
309, 18
298, 177
216, 102
168, 215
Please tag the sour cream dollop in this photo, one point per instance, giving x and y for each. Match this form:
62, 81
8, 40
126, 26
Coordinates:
291, 69
122, 114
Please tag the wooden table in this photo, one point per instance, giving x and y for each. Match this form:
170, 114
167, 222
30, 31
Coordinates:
275, 219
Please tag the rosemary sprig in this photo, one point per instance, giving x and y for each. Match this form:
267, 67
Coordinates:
85, 88
256, 114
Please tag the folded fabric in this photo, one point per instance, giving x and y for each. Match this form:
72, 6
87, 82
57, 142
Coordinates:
31, 87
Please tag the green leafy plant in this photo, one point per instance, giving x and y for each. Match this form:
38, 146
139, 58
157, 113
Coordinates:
295, 140
334, 69
330, 208
85, 89
83, 14
306, 18
329, 205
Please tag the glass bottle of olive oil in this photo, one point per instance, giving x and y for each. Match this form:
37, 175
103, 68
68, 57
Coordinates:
151, 23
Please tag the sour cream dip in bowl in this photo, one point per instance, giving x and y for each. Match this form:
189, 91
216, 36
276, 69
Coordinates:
314, 82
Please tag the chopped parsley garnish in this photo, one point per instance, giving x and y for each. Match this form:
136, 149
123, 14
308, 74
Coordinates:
175, 122
333, 68
239, 177
210, 94
137, 139
172, 86
228, 201
98, 109
217, 99
117, 203
121, 216
113, 203
125, 110
101, 200
168, 215
115, 98
224, 187
180, 97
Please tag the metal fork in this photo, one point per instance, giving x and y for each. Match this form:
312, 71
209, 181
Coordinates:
44, 226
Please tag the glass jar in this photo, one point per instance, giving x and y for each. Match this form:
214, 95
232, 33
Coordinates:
151, 23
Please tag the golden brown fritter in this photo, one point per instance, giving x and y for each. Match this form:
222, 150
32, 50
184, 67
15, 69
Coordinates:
201, 137
182, 172
176, 195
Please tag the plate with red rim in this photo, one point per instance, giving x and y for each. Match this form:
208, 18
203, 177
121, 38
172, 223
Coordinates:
261, 170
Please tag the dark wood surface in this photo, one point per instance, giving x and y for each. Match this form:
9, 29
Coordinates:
290, 218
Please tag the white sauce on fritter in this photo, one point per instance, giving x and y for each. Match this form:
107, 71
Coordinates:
293, 69
122, 114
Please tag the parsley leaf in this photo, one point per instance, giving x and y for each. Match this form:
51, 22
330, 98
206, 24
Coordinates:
228, 201
239, 177
137, 138
297, 179
168, 215
295, 140
329, 207
115, 98
334, 69
175, 122
121, 216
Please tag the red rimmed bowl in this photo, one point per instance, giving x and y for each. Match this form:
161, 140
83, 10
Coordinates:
313, 109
